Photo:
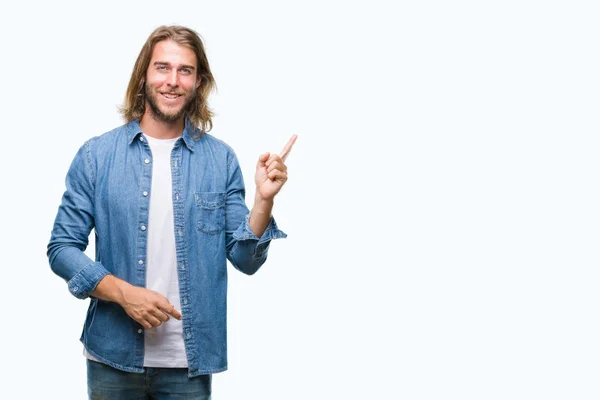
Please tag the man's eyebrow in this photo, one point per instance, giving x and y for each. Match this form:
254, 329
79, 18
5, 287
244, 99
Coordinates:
161, 63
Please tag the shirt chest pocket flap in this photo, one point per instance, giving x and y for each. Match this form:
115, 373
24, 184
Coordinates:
211, 212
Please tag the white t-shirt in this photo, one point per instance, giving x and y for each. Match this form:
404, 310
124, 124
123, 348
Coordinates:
163, 345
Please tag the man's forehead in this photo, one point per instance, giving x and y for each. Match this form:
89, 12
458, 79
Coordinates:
171, 52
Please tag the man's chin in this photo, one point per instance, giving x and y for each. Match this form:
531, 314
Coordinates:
165, 114
169, 116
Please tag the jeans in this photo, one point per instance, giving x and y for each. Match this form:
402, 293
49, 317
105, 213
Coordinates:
105, 382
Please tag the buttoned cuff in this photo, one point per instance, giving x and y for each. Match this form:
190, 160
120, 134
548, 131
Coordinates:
86, 280
244, 232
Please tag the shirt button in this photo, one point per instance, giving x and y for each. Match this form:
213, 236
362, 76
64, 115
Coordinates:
145, 193
75, 288
147, 161
141, 138
140, 330
143, 227
141, 262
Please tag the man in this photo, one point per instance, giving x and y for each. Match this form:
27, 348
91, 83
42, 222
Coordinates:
166, 200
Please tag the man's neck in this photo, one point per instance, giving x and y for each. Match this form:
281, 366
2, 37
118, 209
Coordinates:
161, 129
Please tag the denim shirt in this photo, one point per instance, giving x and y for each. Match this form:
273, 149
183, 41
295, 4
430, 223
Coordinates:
108, 188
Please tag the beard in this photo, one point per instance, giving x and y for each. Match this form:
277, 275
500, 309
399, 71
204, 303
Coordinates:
167, 117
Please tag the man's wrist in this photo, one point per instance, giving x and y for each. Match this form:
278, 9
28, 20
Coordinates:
112, 289
262, 206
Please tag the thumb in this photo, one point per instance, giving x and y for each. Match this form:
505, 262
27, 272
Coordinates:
263, 159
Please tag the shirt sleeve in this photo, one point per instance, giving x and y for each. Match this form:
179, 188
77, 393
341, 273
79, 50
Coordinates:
72, 226
246, 251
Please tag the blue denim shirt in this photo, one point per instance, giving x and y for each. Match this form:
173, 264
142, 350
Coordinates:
108, 188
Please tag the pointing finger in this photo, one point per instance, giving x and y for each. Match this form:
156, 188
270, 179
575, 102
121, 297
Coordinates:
170, 309
288, 147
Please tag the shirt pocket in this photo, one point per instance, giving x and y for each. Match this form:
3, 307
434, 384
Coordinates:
211, 212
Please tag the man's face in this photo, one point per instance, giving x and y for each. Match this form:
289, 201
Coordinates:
171, 81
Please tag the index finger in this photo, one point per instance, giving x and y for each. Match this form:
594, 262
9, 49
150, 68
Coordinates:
286, 149
170, 309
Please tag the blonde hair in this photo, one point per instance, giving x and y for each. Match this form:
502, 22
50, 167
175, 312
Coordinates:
135, 97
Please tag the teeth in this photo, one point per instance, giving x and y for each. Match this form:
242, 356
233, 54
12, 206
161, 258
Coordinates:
170, 96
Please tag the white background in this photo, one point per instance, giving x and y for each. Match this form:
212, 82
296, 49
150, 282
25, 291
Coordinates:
442, 207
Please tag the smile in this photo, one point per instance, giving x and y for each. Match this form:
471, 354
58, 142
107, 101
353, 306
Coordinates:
170, 96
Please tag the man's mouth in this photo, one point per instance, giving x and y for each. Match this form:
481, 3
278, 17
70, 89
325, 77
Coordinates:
171, 96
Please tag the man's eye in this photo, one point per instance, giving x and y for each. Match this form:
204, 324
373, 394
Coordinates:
186, 71
161, 68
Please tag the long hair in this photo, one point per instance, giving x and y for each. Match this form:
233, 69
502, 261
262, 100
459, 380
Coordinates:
135, 97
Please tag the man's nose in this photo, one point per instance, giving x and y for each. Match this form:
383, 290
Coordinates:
173, 79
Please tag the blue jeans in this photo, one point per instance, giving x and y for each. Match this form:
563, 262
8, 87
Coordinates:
106, 382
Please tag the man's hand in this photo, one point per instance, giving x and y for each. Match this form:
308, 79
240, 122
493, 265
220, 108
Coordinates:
271, 172
147, 307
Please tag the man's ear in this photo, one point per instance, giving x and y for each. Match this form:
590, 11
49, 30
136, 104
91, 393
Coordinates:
198, 80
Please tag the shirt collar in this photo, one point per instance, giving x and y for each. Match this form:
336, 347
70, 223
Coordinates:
189, 132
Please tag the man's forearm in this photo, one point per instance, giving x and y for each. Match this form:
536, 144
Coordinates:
111, 288
260, 216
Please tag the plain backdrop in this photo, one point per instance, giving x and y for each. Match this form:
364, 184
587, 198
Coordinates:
443, 206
